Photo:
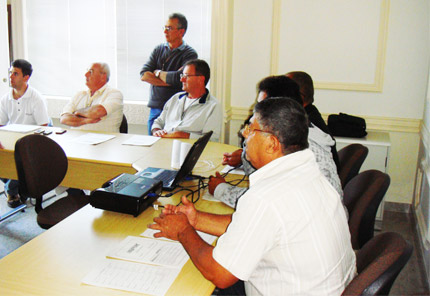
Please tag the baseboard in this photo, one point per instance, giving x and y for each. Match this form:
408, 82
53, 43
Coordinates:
397, 207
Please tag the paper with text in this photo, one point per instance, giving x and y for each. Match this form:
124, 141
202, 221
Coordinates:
133, 277
141, 140
19, 128
150, 251
93, 138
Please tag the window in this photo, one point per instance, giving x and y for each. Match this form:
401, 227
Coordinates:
63, 37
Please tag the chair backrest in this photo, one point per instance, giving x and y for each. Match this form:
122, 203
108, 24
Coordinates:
123, 128
378, 264
351, 159
41, 165
362, 196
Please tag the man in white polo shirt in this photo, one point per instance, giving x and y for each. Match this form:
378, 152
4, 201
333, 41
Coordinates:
100, 108
289, 234
22, 105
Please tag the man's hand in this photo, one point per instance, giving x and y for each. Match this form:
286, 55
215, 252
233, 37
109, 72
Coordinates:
233, 159
158, 132
164, 134
214, 182
170, 226
186, 208
150, 77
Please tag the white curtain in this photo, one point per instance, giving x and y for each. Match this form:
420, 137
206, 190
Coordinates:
65, 36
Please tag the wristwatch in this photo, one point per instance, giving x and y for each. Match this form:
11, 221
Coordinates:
157, 73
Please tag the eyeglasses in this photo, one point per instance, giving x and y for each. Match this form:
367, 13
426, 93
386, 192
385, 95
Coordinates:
187, 75
247, 130
170, 28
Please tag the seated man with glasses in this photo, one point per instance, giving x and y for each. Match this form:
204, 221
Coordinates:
195, 111
165, 64
288, 235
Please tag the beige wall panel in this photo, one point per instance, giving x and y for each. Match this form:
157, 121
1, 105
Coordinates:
329, 38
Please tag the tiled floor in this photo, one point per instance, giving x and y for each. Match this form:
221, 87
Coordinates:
411, 280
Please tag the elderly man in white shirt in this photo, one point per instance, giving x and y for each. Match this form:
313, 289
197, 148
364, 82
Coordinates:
100, 108
191, 113
289, 234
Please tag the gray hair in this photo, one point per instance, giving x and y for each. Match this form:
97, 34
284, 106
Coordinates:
104, 69
286, 119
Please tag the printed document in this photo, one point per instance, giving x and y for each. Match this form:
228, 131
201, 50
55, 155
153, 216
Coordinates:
141, 140
150, 251
133, 277
93, 138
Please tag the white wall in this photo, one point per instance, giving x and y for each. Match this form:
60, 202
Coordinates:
397, 108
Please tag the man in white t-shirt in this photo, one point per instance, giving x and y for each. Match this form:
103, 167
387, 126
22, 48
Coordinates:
100, 108
21, 105
289, 234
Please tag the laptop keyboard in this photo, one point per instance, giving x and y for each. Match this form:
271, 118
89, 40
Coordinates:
166, 176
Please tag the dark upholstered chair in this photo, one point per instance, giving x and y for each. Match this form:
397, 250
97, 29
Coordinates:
123, 128
41, 166
362, 196
351, 159
378, 264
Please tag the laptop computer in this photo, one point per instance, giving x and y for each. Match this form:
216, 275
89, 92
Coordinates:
171, 178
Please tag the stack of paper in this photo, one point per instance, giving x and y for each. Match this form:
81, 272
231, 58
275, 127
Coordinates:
145, 265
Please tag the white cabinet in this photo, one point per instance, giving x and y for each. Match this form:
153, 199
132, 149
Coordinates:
379, 150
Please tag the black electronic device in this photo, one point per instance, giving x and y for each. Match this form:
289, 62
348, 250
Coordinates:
126, 193
171, 178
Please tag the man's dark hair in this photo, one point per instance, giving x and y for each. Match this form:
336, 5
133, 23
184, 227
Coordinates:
182, 20
280, 86
24, 65
286, 119
304, 80
201, 67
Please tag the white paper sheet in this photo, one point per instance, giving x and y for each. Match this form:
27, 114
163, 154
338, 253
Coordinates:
206, 237
139, 140
131, 276
93, 138
150, 251
20, 128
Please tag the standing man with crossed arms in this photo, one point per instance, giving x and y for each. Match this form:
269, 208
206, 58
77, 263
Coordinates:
164, 67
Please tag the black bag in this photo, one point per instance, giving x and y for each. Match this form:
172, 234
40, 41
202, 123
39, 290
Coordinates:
344, 125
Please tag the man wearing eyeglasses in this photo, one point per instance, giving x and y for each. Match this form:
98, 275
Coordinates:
100, 108
193, 112
165, 64
289, 234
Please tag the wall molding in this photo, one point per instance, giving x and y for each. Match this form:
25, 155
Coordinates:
389, 124
376, 86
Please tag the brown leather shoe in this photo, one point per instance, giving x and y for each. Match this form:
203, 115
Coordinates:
13, 201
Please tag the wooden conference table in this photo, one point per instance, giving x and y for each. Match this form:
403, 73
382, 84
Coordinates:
55, 262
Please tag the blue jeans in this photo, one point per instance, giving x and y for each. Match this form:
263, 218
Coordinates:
10, 186
153, 114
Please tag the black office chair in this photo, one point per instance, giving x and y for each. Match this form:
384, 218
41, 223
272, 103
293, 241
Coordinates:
123, 128
41, 165
362, 197
379, 263
351, 159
